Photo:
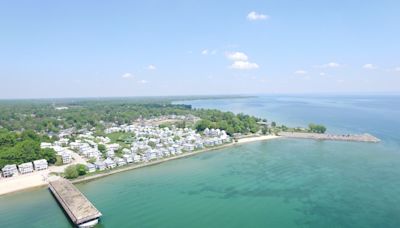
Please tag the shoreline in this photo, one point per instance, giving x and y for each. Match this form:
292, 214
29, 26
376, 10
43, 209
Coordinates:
13, 184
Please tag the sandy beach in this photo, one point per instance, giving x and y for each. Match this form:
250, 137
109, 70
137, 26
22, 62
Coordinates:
40, 179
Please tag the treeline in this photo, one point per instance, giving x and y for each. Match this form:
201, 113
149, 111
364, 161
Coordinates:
228, 121
25, 147
44, 118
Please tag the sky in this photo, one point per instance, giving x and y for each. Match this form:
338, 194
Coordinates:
98, 48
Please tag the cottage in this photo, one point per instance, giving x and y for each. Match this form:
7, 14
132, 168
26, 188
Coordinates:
91, 167
188, 147
110, 164
100, 165
66, 158
127, 158
25, 168
136, 158
45, 145
9, 170
120, 161
40, 164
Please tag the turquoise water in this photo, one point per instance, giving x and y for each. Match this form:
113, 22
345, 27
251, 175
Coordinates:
278, 183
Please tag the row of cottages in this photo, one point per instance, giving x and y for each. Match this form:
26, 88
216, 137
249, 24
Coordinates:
24, 168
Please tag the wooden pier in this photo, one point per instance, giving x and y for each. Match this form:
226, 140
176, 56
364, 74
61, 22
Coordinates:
80, 210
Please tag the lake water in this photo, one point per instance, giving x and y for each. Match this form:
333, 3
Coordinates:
277, 183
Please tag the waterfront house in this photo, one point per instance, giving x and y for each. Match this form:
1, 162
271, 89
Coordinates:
110, 164
40, 164
128, 158
136, 157
91, 167
9, 170
100, 165
120, 161
25, 168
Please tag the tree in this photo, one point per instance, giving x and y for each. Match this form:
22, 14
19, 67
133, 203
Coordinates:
82, 169
316, 128
71, 172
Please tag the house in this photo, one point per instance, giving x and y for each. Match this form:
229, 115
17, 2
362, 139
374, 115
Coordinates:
25, 168
40, 164
45, 145
127, 158
136, 158
114, 146
110, 164
9, 170
110, 153
91, 167
66, 158
188, 147
100, 165
120, 161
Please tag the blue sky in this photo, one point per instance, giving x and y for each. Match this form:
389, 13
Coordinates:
140, 48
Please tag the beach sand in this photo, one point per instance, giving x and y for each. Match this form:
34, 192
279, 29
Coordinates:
40, 178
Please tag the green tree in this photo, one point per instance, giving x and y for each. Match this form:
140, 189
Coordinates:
71, 172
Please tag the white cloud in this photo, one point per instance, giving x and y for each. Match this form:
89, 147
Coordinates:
254, 16
127, 75
237, 56
322, 74
151, 67
300, 72
143, 81
330, 65
244, 65
204, 52
240, 61
397, 69
369, 66
208, 52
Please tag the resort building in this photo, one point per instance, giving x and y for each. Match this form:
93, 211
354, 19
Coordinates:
40, 164
25, 168
9, 170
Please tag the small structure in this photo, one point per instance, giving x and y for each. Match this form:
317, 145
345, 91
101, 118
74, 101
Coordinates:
25, 168
91, 168
120, 161
9, 170
127, 158
100, 165
40, 164
66, 158
109, 163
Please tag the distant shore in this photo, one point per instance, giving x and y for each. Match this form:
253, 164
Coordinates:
40, 179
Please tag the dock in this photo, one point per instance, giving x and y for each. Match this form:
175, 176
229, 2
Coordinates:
80, 210
333, 137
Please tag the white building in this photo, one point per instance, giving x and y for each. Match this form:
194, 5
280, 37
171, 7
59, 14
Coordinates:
45, 145
25, 168
128, 158
9, 170
40, 164
120, 161
100, 165
66, 158
109, 163
91, 168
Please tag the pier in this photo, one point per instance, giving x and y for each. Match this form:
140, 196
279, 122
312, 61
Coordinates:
344, 137
80, 210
